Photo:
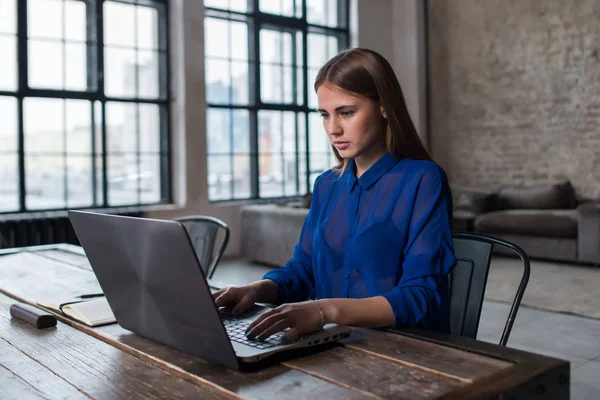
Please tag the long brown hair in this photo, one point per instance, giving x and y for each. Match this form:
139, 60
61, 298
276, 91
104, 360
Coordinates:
368, 73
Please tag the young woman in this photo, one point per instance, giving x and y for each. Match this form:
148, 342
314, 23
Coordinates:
376, 246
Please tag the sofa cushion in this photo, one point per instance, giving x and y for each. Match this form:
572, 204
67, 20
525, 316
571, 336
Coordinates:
539, 197
548, 223
472, 200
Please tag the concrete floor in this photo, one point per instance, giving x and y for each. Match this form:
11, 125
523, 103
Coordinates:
564, 336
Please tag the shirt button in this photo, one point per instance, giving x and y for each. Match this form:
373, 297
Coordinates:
347, 276
349, 235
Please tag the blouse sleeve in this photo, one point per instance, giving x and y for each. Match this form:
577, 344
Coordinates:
428, 256
295, 280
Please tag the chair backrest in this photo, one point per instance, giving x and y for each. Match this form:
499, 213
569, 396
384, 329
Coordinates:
468, 281
203, 231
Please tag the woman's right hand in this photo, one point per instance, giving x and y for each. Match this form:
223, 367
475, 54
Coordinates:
236, 298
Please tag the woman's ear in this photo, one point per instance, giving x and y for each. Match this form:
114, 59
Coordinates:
383, 113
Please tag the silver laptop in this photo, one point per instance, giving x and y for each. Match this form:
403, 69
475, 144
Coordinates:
155, 286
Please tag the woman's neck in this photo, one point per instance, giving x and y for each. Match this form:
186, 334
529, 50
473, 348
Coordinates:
366, 160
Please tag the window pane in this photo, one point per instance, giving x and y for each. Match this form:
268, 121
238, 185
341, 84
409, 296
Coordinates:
78, 124
150, 178
302, 152
8, 127
79, 181
270, 175
239, 76
46, 64
271, 83
45, 19
8, 16
312, 95
76, 67
147, 28
121, 128
241, 176
216, 38
149, 128
319, 163
324, 12
122, 179
289, 174
277, 7
238, 5
319, 52
119, 27
288, 130
241, 131
119, 72
148, 66
318, 140
219, 177
218, 128
8, 63
45, 181
288, 85
9, 190
239, 41
75, 20
269, 131
44, 125
218, 82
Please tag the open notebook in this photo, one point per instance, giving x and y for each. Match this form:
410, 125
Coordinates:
92, 312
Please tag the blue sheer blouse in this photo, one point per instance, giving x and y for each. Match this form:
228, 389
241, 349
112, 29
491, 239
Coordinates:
387, 234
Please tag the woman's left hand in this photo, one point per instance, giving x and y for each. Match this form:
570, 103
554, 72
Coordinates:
301, 318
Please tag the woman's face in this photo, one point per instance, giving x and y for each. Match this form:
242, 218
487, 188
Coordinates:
353, 123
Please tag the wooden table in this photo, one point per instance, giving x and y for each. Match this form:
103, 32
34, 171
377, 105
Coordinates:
75, 361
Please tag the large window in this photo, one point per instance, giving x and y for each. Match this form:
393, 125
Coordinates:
83, 104
264, 137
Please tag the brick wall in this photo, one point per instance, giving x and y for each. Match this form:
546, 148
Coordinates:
515, 91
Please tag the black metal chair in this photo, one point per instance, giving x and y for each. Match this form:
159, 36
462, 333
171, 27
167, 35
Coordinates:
203, 231
469, 278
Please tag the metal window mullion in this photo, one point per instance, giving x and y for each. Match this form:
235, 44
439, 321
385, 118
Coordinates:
23, 62
94, 150
230, 66
64, 104
307, 132
138, 156
64, 154
103, 102
254, 161
166, 185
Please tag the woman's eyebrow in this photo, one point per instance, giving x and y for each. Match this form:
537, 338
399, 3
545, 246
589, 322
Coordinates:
340, 108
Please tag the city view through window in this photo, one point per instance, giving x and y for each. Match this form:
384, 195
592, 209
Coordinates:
94, 134
264, 137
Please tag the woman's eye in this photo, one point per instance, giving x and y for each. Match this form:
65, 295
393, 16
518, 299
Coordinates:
323, 115
347, 113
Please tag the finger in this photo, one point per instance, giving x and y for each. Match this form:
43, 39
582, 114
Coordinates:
261, 318
291, 335
217, 293
245, 303
276, 327
265, 324
225, 299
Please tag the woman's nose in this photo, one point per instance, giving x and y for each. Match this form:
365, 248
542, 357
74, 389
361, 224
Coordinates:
334, 128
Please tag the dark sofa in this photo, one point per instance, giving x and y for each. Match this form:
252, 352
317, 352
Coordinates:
547, 221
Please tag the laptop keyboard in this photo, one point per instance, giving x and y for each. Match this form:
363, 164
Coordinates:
236, 330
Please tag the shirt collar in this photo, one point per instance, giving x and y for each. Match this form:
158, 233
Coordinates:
372, 175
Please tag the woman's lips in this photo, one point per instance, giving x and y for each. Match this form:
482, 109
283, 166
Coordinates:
341, 145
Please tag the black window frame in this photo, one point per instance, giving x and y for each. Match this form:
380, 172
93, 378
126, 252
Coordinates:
258, 20
95, 94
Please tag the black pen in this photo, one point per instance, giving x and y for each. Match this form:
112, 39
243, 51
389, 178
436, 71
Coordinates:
91, 295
